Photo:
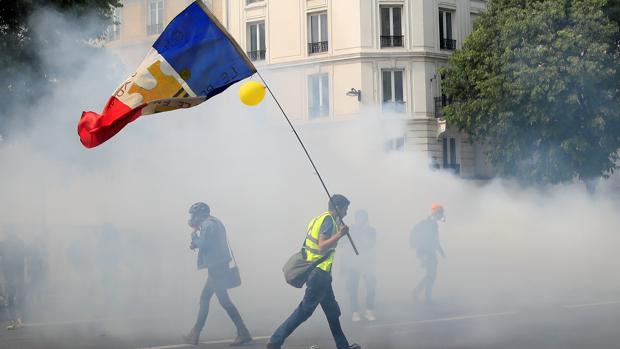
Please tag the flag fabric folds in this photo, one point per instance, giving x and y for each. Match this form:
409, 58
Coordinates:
193, 59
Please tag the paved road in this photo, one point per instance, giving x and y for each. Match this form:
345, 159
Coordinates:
573, 325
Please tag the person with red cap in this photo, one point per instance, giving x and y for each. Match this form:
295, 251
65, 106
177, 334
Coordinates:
424, 238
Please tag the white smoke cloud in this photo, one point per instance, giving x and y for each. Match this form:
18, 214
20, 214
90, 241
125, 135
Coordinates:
506, 245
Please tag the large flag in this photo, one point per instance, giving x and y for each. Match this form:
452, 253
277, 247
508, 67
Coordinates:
194, 59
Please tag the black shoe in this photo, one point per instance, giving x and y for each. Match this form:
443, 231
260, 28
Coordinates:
191, 338
241, 340
271, 345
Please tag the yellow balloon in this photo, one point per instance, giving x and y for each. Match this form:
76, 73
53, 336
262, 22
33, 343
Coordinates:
251, 92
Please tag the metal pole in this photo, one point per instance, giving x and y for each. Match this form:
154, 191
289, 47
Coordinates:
309, 158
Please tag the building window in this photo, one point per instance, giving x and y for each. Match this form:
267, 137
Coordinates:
395, 144
256, 41
449, 154
393, 94
473, 18
155, 17
114, 31
391, 26
318, 96
442, 101
446, 41
247, 2
317, 32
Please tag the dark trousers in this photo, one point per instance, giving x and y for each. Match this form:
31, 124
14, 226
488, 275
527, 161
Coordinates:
318, 291
353, 281
15, 296
429, 263
217, 287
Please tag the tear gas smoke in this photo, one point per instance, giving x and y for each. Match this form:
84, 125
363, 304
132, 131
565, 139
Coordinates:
113, 219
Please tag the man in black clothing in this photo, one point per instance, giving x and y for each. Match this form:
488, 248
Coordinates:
13, 263
424, 239
213, 254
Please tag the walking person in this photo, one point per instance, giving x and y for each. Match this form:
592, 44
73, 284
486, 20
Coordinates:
323, 234
356, 268
424, 239
13, 263
209, 237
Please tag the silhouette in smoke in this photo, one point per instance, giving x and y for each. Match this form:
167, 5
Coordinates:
37, 271
13, 262
360, 267
424, 238
214, 255
322, 237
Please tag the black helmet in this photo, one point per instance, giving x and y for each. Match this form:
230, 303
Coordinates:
199, 209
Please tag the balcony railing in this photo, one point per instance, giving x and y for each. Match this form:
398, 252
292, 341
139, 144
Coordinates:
257, 55
153, 29
318, 111
456, 168
394, 106
441, 102
447, 44
391, 41
317, 47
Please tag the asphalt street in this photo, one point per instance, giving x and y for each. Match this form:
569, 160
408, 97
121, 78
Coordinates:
593, 324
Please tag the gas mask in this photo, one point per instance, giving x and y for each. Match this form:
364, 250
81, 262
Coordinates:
195, 221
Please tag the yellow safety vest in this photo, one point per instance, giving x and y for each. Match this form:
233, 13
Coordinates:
311, 244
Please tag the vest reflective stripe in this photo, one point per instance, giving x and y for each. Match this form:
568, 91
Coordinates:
312, 242
316, 241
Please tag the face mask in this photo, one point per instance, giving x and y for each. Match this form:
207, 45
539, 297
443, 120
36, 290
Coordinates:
195, 221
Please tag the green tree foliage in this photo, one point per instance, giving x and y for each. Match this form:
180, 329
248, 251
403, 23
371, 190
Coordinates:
23, 74
538, 82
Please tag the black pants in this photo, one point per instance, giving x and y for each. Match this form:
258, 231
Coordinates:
214, 285
15, 292
429, 263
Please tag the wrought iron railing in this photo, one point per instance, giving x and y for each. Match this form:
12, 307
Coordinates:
456, 168
391, 41
258, 55
318, 111
441, 102
394, 106
317, 47
447, 44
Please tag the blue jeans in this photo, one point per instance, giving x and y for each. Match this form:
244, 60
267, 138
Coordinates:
353, 281
318, 291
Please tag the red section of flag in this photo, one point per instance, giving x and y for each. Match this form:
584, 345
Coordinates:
95, 129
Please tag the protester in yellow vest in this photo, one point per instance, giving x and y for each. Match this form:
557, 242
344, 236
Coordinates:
323, 233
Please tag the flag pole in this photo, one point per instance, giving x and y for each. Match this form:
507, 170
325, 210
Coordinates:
316, 171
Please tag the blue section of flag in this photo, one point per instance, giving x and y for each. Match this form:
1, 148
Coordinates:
202, 53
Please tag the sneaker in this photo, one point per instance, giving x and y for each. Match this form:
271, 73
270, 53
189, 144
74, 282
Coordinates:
191, 338
356, 317
241, 340
271, 345
355, 346
15, 324
370, 315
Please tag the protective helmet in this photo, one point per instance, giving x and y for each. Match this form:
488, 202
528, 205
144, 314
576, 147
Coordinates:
199, 209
